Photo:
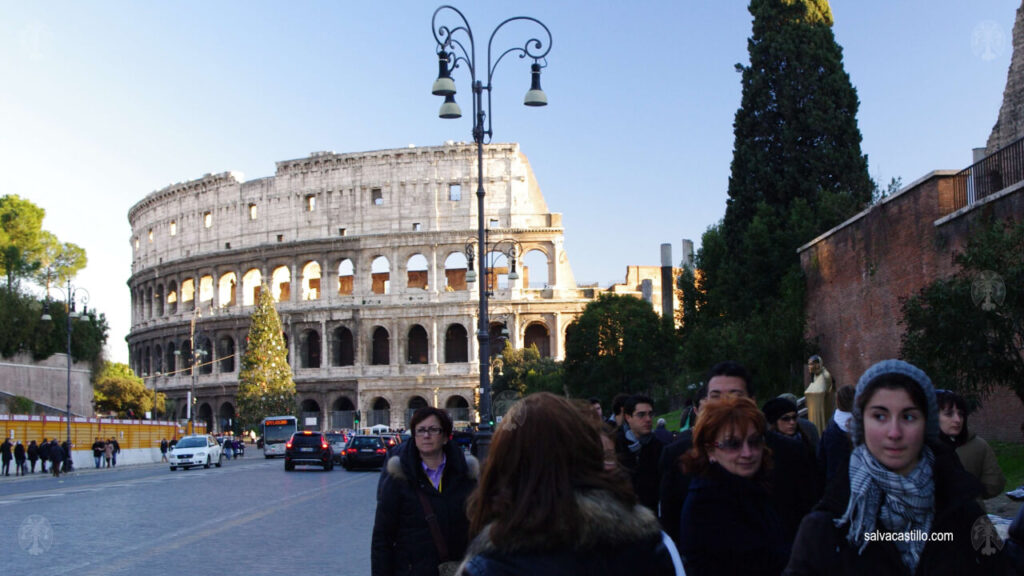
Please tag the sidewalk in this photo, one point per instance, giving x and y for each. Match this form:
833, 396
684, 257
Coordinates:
79, 470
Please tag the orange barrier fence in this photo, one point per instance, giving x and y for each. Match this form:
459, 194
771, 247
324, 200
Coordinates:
129, 433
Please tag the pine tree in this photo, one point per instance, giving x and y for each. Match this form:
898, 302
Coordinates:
265, 385
797, 171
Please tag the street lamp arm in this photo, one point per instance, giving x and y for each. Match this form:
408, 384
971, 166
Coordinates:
534, 48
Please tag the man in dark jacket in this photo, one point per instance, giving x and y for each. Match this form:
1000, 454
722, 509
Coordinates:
33, 455
98, 446
56, 457
639, 450
6, 456
19, 458
44, 454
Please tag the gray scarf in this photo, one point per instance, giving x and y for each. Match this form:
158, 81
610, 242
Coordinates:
900, 503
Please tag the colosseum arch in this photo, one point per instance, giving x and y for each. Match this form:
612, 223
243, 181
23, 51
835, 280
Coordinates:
226, 354
456, 344
172, 297
158, 295
310, 409
457, 407
417, 272
537, 334
251, 281
380, 275
346, 277
455, 266
158, 359
281, 288
226, 416
535, 269
206, 290
205, 359
309, 349
497, 266
146, 360
226, 290
414, 404
188, 293
149, 302
311, 280
170, 355
343, 347
381, 349
205, 414
417, 345
379, 413
342, 403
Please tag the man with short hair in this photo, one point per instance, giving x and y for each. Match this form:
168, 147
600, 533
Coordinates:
639, 450
595, 403
615, 418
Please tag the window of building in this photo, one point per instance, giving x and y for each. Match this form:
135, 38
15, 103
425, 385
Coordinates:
492, 223
280, 237
136, 239
310, 202
150, 235
174, 228
208, 219
341, 231
252, 211
377, 196
455, 192
416, 227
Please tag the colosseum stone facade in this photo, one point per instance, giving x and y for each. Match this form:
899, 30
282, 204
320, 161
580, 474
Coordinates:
366, 254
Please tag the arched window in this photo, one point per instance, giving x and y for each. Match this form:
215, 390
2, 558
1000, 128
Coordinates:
346, 277
381, 347
172, 297
309, 349
537, 335
226, 290
381, 412
416, 272
342, 348
282, 288
205, 359
381, 276
159, 296
251, 281
417, 345
535, 270
226, 354
457, 408
206, 289
455, 266
456, 344
311, 280
169, 359
158, 360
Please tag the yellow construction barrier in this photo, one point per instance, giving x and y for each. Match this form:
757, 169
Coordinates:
84, 431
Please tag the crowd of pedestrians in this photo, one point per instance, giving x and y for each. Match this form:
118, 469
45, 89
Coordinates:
892, 484
24, 458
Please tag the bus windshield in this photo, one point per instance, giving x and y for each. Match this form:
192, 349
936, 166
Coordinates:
276, 431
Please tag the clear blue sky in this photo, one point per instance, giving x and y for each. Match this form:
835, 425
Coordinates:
102, 103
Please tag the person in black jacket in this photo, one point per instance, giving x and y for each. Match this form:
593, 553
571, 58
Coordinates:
19, 459
44, 454
33, 455
639, 449
903, 504
6, 456
56, 457
430, 469
548, 506
835, 446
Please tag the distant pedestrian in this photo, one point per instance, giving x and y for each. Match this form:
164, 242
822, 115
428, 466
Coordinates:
19, 459
163, 450
56, 457
108, 452
66, 447
33, 455
44, 454
5, 456
228, 450
98, 447
117, 450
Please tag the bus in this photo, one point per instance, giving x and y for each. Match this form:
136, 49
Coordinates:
276, 431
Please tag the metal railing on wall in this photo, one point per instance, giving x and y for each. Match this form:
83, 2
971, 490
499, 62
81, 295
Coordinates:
993, 173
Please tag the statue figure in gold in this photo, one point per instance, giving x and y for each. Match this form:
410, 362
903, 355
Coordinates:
819, 395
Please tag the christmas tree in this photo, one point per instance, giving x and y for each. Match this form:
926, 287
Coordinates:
265, 385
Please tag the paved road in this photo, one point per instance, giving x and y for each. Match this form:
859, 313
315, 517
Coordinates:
248, 517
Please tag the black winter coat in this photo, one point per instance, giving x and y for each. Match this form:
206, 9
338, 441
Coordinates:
613, 540
642, 467
834, 449
402, 542
821, 547
674, 484
729, 526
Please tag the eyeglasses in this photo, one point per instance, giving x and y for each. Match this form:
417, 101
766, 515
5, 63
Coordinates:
755, 442
639, 414
426, 432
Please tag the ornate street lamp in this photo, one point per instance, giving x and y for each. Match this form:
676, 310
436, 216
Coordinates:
72, 296
194, 361
451, 52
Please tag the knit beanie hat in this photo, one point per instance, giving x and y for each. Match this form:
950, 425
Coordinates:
777, 408
889, 367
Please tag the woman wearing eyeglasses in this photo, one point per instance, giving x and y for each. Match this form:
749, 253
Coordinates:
783, 418
728, 525
421, 518
903, 504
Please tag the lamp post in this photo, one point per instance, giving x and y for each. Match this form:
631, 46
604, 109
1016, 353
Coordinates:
194, 362
72, 295
451, 51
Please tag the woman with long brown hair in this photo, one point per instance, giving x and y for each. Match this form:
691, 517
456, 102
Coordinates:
728, 525
546, 504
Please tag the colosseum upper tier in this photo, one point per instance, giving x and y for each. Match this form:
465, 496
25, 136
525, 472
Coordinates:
366, 255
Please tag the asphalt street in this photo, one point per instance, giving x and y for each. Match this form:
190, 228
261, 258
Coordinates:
247, 517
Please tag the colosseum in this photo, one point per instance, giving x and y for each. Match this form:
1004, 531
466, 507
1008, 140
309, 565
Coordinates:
366, 255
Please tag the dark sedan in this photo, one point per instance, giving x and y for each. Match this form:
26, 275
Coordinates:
365, 452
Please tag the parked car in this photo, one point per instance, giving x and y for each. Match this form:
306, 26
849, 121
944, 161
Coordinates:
391, 440
365, 452
197, 450
308, 448
338, 440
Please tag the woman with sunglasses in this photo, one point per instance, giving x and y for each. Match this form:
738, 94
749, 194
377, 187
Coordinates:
783, 419
903, 504
728, 525
421, 520
975, 454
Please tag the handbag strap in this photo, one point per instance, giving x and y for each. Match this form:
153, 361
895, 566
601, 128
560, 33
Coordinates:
435, 528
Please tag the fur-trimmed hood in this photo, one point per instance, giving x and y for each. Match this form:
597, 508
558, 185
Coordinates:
604, 522
404, 464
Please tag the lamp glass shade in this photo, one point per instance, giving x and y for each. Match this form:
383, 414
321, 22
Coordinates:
444, 85
450, 109
471, 276
535, 96
513, 275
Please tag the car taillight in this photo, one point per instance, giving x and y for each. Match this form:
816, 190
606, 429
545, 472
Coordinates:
351, 450
288, 445
381, 451
323, 445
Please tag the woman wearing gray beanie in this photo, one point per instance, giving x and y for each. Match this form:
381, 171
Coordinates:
903, 504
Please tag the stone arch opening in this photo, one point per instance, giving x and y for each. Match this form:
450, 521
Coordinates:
343, 347
159, 299
226, 354
158, 359
188, 293
455, 266
380, 413
310, 410
380, 274
417, 272
205, 415
311, 280
537, 334
456, 344
172, 297
417, 345
227, 417
346, 277
282, 284
457, 407
309, 349
251, 281
381, 355
226, 290
535, 269
206, 290
497, 270
205, 359
170, 355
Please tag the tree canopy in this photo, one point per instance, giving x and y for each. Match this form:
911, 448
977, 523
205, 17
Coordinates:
265, 385
967, 331
117, 390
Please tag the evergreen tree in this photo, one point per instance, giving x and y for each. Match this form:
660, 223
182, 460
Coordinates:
265, 385
797, 171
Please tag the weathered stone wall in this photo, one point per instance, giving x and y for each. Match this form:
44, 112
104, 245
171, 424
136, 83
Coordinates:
46, 382
1010, 125
858, 273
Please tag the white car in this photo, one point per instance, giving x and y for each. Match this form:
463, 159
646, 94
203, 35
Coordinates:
199, 450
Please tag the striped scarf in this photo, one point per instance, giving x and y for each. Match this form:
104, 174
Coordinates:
899, 503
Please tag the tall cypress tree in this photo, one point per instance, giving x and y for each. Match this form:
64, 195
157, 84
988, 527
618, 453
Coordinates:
265, 385
797, 171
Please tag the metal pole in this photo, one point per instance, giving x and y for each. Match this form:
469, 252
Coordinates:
483, 330
67, 311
